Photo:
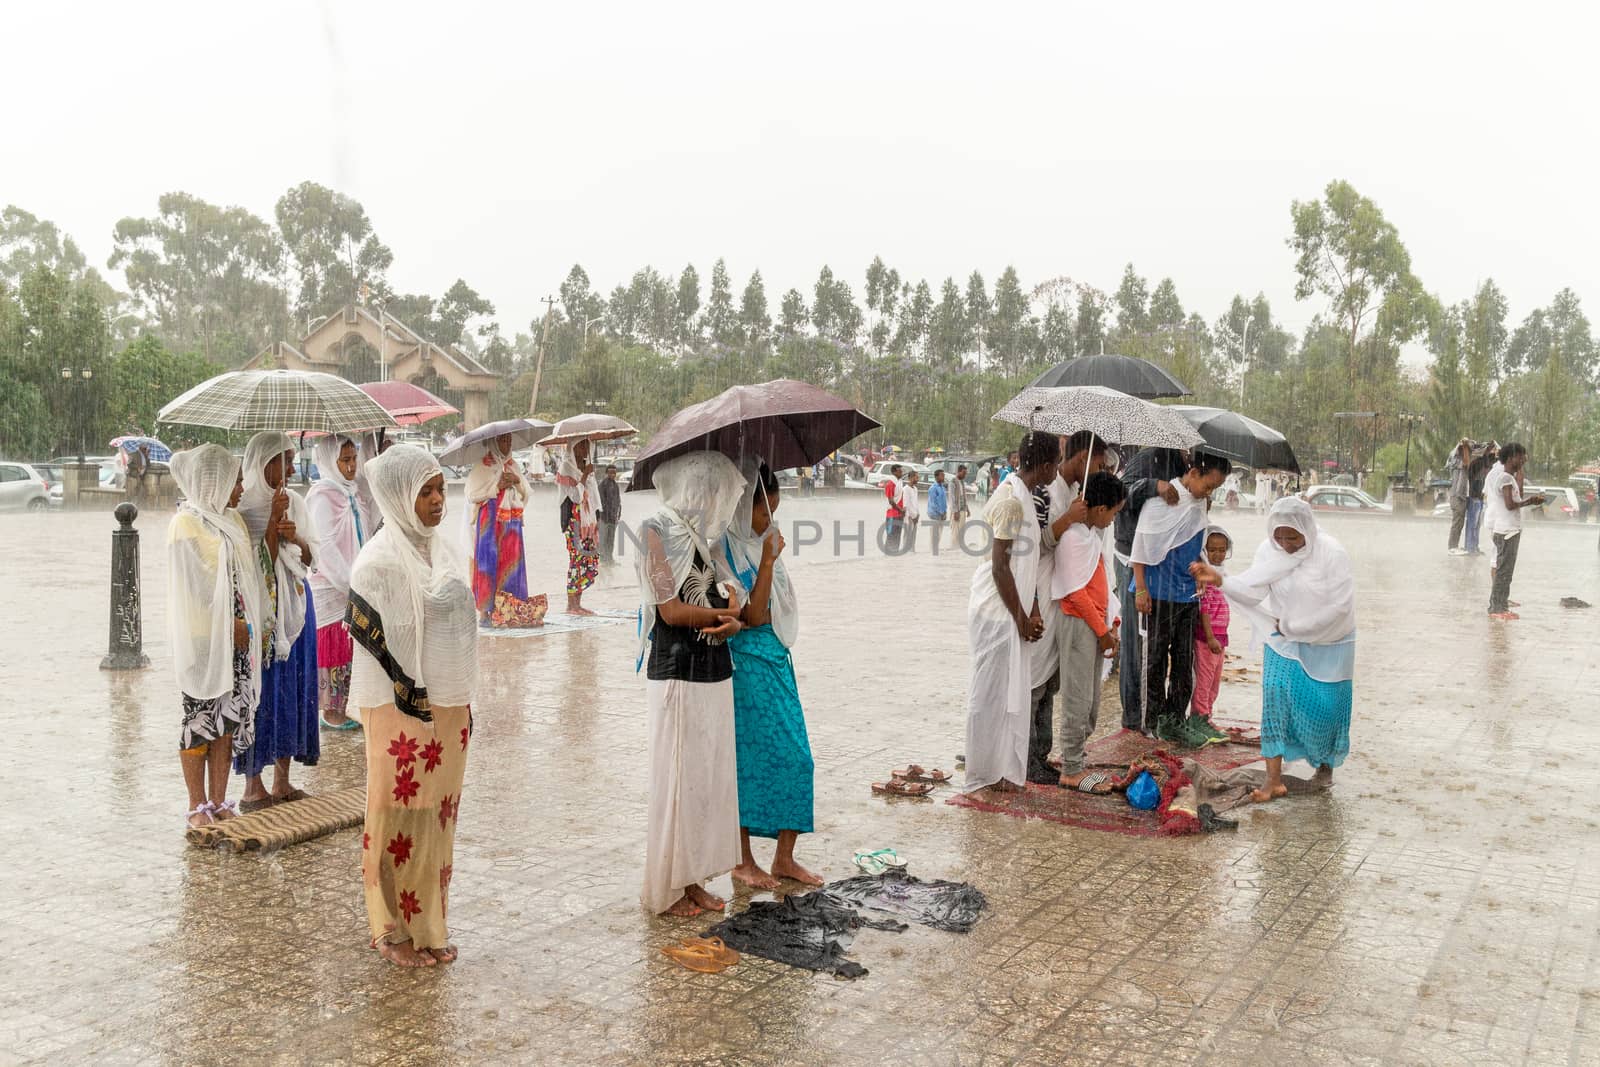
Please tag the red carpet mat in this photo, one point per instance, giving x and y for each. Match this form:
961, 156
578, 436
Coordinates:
1111, 812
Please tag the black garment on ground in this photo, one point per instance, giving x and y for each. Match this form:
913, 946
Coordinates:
682, 653
1171, 679
1505, 567
949, 906
1149, 466
811, 931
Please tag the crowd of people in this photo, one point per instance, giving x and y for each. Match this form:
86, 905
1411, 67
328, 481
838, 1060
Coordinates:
1487, 489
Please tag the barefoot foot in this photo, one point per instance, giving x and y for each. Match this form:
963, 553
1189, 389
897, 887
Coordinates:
404, 954
704, 899
1261, 796
447, 954
684, 908
1324, 775
752, 875
795, 873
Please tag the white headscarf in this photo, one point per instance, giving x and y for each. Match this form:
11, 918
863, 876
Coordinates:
483, 479
256, 507
211, 557
699, 492
1163, 527
585, 492
417, 583
368, 451
745, 546
343, 523
1301, 603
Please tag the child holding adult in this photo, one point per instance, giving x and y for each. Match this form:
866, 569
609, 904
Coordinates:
1211, 633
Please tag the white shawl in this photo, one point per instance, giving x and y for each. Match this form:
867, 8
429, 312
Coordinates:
1303, 604
210, 556
745, 546
585, 492
699, 492
414, 578
343, 523
1000, 688
483, 479
256, 507
1163, 527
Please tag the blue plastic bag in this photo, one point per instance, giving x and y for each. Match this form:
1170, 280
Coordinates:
1143, 793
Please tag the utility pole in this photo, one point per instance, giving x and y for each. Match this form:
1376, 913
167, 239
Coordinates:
544, 342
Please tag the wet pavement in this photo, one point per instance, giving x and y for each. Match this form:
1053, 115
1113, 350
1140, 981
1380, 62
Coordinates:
1441, 906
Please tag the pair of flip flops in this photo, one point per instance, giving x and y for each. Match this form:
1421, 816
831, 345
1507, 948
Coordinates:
706, 955
912, 781
877, 860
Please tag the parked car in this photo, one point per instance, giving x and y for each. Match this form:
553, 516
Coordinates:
1345, 498
1246, 501
880, 472
948, 464
1560, 502
23, 487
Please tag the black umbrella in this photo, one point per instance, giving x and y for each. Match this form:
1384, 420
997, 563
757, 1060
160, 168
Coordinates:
1126, 374
785, 422
1241, 437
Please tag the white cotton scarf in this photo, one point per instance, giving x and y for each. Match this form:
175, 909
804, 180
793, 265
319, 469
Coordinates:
483, 479
416, 580
1302, 604
256, 508
211, 556
343, 523
585, 492
699, 492
1163, 527
745, 546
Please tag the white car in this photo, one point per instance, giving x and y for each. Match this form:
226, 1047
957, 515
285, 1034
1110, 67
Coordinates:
22, 487
1345, 498
880, 473
1561, 503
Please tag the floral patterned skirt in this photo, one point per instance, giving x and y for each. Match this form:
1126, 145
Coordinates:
414, 773
334, 652
583, 560
231, 713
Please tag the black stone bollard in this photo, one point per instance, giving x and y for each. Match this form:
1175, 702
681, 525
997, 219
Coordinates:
127, 629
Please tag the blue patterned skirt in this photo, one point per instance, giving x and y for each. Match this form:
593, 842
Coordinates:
775, 767
286, 722
1302, 718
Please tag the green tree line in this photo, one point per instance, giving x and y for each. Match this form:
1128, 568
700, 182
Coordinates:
209, 286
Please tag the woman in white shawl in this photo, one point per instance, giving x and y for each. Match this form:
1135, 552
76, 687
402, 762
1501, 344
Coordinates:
213, 612
775, 764
343, 524
413, 679
1300, 592
1004, 619
580, 497
690, 609
497, 492
283, 538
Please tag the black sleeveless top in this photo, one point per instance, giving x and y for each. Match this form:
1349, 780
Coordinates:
683, 653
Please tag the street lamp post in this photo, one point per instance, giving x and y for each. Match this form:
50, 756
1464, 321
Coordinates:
1244, 361
77, 383
1410, 420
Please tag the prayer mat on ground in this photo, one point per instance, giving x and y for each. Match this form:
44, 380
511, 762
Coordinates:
1110, 812
559, 622
286, 824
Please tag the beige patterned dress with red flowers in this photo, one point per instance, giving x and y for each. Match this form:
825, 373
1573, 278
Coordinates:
414, 774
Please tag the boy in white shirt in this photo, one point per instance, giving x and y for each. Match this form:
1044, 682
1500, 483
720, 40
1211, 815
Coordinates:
1503, 504
906, 497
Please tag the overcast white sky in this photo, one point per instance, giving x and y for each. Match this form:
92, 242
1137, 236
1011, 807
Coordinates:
502, 143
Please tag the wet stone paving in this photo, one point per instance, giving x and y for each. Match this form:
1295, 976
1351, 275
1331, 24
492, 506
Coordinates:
1440, 906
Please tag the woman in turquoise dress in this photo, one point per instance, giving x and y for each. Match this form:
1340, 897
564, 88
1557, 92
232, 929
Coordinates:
775, 766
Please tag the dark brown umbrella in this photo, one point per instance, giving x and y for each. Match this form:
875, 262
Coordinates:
785, 422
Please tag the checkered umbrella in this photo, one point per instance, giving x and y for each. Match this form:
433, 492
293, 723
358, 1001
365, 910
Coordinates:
130, 443
1112, 416
254, 400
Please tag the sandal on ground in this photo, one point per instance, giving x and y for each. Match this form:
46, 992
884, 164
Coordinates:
899, 787
718, 949
294, 794
915, 773
205, 808
877, 860
348, 724
698, 959
259, 804
228, 809
1090, 783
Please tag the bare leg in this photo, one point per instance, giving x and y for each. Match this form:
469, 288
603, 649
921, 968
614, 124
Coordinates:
280, 779
218, 759
1274, 787
749, 872
784, 865
193, 762
404, 954
255, 788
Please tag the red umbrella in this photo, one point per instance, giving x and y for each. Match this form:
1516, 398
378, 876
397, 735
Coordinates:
785, 422
408, 404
